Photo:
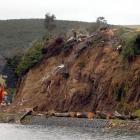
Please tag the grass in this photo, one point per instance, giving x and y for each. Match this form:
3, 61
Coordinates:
129, 40
32, 57
116, 122
6, 117
137, 113
16, 35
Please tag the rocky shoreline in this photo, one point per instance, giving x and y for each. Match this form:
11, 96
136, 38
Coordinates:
71, 122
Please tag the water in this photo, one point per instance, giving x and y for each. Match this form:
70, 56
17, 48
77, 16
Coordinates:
40, 132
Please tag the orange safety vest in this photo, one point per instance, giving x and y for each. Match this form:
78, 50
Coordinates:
1, 94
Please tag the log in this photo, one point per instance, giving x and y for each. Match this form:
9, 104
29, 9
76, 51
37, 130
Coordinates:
25, 114
28, 111
101, 115
133, 117
90, 115
81, 115
120, 116
62, 114
72, 114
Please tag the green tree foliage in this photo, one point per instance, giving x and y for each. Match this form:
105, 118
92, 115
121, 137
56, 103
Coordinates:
10, 70
101, 22
49, 22
132, 47
32, 57
13, 62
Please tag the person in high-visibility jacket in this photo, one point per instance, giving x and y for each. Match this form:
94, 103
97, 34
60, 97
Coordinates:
1, 93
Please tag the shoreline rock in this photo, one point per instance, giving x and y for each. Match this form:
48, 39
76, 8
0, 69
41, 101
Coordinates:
70, 121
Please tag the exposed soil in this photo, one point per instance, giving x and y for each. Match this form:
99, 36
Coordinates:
85, 76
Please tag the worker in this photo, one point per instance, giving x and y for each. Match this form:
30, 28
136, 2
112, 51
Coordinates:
6, 98
1, 93
10, 96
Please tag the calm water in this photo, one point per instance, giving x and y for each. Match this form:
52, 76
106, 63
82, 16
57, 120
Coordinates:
36, 132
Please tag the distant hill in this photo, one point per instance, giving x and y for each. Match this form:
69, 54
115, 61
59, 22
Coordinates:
16, 35
133, 26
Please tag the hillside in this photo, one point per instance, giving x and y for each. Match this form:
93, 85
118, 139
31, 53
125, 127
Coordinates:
132, 26
86, 76
16, 35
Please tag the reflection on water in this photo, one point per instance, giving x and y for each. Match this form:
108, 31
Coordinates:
36, 132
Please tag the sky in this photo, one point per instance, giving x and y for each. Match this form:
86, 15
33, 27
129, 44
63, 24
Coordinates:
115, 11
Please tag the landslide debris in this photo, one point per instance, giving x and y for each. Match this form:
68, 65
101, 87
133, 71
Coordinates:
84, 75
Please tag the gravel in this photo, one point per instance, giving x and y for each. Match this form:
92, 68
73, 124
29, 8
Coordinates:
71, 122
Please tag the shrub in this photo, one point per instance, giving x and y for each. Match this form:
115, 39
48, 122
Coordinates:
137, 113
32, 57
137, 43
132, 47
128, 52
13, 62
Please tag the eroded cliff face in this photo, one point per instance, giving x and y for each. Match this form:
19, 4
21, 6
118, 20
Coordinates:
81, 77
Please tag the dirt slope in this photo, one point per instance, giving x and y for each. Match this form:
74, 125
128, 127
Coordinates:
81, 77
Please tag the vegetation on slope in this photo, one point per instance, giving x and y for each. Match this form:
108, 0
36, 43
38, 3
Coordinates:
130, 40
19, 64
33, 56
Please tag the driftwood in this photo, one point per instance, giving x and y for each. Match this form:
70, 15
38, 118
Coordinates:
115, 115
62, 114
101, 115
124, 117
119, 116
81, 114
25, 114
28, 111
89, 115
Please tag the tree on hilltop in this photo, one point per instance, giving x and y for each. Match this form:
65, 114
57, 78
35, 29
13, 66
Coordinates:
49, 22
101, 22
